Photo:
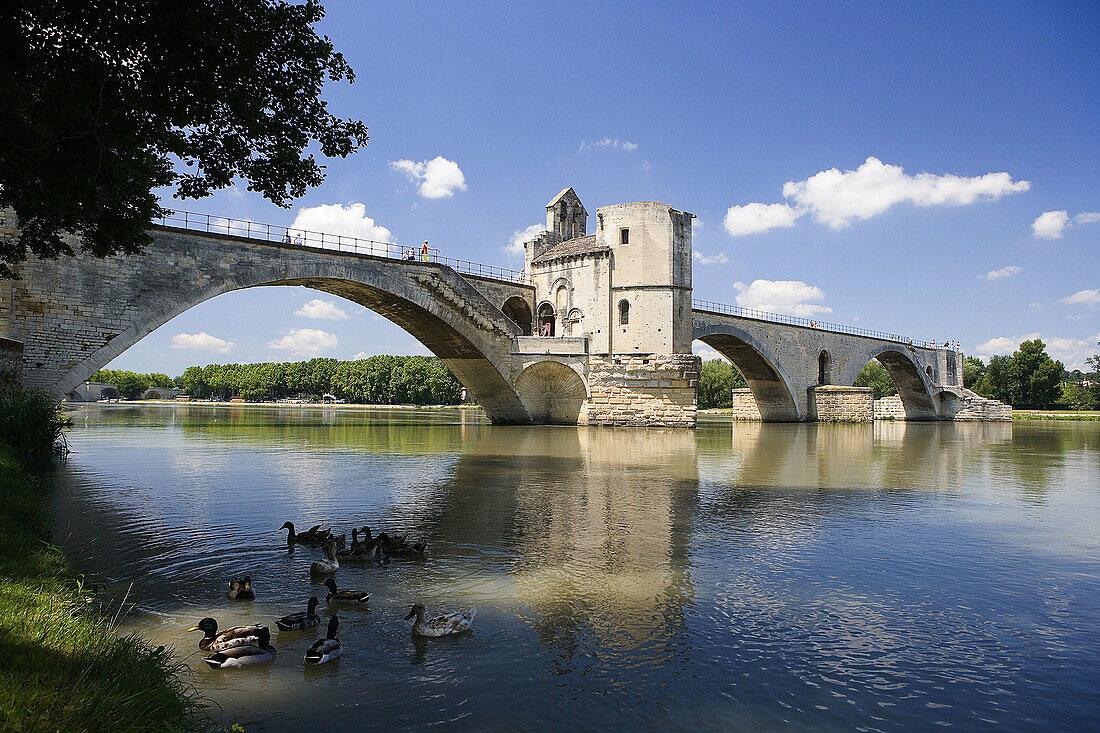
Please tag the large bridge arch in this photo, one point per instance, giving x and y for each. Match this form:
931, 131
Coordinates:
910, 377
766, 379
118, 301
552, 392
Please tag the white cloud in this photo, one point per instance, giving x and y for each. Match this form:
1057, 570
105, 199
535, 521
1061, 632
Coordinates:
1049, 224
706, 354
1035, 306
702, 259
359, 355
1087, 217
439, 178
837, 198
322, 309
608, 142
347, 221
756, 218
1083, 297
1003, 272
305, 342
781, 296
1072, 352
522, 236
201, 341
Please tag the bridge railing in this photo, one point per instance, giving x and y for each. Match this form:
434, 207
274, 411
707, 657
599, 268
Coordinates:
199, 222
736, 310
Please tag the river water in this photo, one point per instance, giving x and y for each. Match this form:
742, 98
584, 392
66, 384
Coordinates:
738, 576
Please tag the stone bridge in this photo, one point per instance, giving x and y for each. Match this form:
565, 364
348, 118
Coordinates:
792, 369
613, 310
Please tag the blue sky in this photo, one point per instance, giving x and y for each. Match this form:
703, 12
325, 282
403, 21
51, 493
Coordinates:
929, 169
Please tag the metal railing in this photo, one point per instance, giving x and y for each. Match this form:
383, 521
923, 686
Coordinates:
736, 310
198, 222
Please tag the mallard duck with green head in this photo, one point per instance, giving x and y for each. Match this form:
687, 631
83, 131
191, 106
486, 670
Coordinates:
302, 619
351, 597
213, 641
243, 656
327, 649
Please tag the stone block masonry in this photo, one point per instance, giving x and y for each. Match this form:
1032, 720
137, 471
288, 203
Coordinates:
642, 390
834, 403
744, 406
11, 364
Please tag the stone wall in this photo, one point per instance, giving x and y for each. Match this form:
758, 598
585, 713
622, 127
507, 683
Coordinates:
972, 407
11, 364
889, 408
642, 390
744, 405
835, 403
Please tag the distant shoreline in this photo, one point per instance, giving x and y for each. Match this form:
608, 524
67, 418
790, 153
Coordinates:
306, 405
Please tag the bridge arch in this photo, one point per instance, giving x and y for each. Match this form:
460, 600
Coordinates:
914, 385
180, 270
766, 379
552, 393
517, 309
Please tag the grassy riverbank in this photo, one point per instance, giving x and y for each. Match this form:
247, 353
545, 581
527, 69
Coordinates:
1081, 415
62, 667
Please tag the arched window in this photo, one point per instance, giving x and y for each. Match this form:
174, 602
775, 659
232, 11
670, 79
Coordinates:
624, 312
561, 297
823, 375
546, 320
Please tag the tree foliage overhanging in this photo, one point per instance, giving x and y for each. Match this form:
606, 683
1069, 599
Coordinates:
1031, 378
101, 102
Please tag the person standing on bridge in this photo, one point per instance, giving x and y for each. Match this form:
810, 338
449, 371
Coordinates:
424, 251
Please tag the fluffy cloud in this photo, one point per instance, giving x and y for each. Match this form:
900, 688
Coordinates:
1083, 297
1003, 272
305, 342
1052, 224
706, 354
438, 178
756, 218
347, 221
323, 310
201, 341
702, 259
837, 198
608, 143
360, 355
781, 296
1072, 352
1049, 224
521, 237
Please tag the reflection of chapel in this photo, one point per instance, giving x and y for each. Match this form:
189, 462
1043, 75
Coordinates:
625, 288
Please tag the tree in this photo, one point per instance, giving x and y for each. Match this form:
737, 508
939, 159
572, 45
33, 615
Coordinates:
717, 380
1037, 378
874, 375
97, 99
130, 385
995, 383
973, 371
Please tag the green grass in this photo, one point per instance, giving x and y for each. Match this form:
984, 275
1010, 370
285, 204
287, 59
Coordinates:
62, 665
1080, 415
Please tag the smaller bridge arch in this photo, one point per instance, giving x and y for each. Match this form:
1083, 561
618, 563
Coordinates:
914, 385
552, 393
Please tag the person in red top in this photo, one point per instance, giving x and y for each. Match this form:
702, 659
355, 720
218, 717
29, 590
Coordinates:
424, 251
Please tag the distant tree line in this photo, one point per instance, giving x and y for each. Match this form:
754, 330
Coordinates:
378, 380
1031, 378
719, 378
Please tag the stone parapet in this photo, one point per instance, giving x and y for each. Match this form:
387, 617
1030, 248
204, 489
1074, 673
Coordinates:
11, 364
642, 390
836, 403
744, 406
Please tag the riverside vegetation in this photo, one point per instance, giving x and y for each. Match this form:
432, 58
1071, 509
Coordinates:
62, 664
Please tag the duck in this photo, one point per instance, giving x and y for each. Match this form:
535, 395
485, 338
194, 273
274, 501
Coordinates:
354, 545
243, 656
302, 619
329, 564
399, 546
344, 596
212, 641
361, 550
312, 536
240, 589
327, 649
445, 625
